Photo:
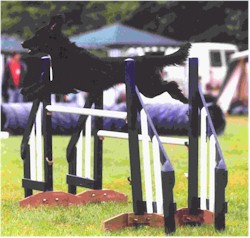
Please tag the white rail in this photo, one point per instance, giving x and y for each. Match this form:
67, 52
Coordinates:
157, 174
212, 158
33, 154
203, 159
87, 111
39, 152
124, 135
146, 162
79, 156
88, 147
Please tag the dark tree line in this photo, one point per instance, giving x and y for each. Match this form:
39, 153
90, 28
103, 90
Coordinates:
216, 21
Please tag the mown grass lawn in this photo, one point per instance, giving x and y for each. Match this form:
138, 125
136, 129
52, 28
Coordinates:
87, 220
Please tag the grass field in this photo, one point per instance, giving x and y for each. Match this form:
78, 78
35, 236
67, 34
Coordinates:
87, 220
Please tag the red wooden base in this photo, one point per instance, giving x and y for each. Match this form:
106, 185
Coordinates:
130, 219
65, 199
105, 195
182, 217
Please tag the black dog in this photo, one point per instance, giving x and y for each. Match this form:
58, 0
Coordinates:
76, 68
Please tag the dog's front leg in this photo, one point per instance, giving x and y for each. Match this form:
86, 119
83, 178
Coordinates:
37, 90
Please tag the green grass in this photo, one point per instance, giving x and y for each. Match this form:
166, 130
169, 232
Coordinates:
87, 220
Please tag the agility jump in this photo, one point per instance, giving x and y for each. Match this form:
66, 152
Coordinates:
200, 209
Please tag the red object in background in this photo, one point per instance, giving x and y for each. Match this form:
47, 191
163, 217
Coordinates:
208, 86
15, 69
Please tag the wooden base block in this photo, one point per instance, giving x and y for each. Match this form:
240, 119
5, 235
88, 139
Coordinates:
50, 198
104, 195
65, 199
130, 219
183, 217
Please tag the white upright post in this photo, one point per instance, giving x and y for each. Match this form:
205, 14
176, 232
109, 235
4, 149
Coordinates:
50, 71
39, 153
88, 147
32, 154
79, 156
203, 160
212, 159
146, 162
157, 173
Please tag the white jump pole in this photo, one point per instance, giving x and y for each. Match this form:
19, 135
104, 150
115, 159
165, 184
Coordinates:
79, 156
157, 174
123, 135
113, 134
87, 111
203, 160
146, 162
212, 160
88, 147
39, 153
173, 140
33, 154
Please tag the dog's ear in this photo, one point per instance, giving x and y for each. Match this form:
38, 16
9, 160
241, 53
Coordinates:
56, 22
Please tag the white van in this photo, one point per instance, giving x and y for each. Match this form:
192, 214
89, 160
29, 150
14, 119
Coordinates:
213, 62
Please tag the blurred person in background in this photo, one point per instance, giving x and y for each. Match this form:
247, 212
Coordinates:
78, 98
14, 73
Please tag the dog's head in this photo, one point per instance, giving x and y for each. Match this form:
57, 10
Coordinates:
46, 38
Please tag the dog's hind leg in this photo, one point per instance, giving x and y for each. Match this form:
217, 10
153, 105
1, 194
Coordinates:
158, 87
173, 89
151, 85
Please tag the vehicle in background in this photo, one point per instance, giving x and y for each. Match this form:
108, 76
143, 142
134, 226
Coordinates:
213, 63
233, 96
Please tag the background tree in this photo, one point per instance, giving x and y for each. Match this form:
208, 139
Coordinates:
223, 21
23, 18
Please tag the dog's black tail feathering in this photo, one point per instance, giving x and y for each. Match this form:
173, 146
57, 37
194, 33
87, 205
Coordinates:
177, 58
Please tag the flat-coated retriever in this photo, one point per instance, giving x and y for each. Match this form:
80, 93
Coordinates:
76, 68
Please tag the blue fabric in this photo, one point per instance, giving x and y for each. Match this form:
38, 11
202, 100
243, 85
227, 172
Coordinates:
118, 34
15, 95
169, 119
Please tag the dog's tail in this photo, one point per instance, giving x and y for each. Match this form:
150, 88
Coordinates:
177, 58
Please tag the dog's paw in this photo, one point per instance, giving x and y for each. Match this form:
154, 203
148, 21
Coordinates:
27, 89
175, 92
35, 91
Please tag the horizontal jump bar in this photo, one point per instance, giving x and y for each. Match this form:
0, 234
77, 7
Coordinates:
33, 184
123, 135
88, 111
